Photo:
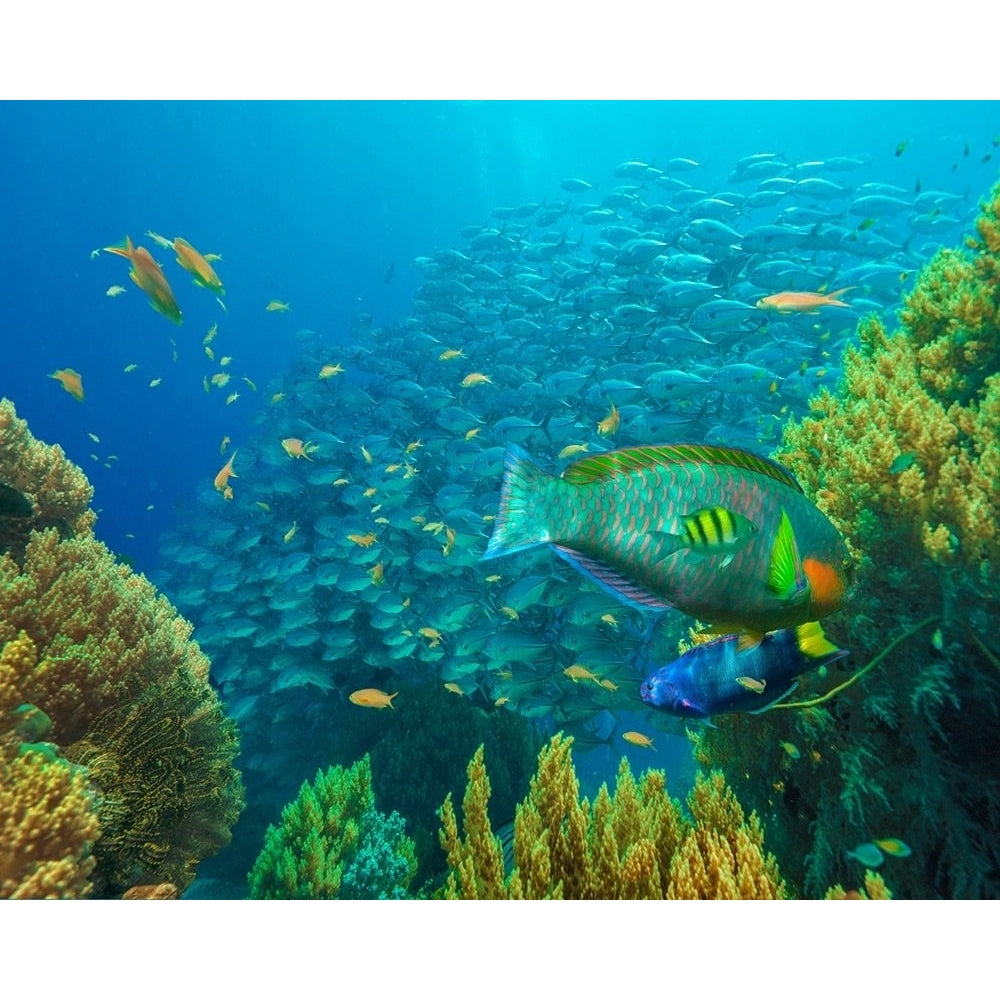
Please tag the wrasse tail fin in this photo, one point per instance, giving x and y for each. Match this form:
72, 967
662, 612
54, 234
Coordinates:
518, 525
813, 643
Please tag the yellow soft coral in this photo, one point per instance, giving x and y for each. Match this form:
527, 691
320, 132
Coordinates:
48, 825
55, 487
92, 649
633, 844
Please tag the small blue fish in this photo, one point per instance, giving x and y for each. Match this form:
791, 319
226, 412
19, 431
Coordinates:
718, 677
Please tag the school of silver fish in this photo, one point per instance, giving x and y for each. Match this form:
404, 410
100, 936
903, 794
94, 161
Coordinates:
649, 308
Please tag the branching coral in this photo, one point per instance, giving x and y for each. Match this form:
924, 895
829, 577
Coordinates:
89, 648
333, 843
905, 459
55, 488
632, 844
48, 825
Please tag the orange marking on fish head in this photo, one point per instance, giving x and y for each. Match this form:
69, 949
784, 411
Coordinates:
827, 584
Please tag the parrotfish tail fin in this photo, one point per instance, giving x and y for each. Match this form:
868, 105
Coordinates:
518, 525
785, 576
814, 644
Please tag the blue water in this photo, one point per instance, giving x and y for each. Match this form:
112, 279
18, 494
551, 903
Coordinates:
309, 203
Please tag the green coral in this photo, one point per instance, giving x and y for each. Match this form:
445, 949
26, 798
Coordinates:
905, 459
333, 843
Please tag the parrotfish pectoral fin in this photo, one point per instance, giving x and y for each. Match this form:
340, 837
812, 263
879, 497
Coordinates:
611, 581
774, 701
520, 522
785, 576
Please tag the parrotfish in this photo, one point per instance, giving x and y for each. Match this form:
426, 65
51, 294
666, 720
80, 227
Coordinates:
148, 275
717, 677
623, 519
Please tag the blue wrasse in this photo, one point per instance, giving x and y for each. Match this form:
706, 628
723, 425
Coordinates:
717, 677
719, 533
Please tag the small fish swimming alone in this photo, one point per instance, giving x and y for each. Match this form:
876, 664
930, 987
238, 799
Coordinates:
372, 698
71, 381
275, 306
196, 264
802, 302
619, 518
224, 474
149, 276
718, 677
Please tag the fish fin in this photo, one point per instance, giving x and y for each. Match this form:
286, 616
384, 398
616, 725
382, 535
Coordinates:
611, 581
785, 576
813, 643
774, 701
517, 525
748, 640
608, 464
123, 249
841, 291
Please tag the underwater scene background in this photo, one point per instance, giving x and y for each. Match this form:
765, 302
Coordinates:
249, 646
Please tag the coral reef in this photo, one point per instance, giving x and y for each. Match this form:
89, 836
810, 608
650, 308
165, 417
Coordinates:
97, 661
633, 844
905, 459
332, 843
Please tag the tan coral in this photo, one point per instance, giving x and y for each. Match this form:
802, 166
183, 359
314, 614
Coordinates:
56, 487
48, 825
633, 844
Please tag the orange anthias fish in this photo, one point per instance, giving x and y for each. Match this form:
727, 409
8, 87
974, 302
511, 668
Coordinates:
224, 474
296, 448
638, 739
148, 275
803, 302
191, 260
71, 381
372, 698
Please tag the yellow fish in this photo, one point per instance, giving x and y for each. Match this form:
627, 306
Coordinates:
372, 698
71, 381
328, 371
638, 739
222, 477
275, 306
578, 672
453, 688
573, 449
449, 354
365, 541
610, 423
114, 291
130, 368
149, 276
290, 534
232, 397
296, 448
153, 383
195, 263
475, 378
